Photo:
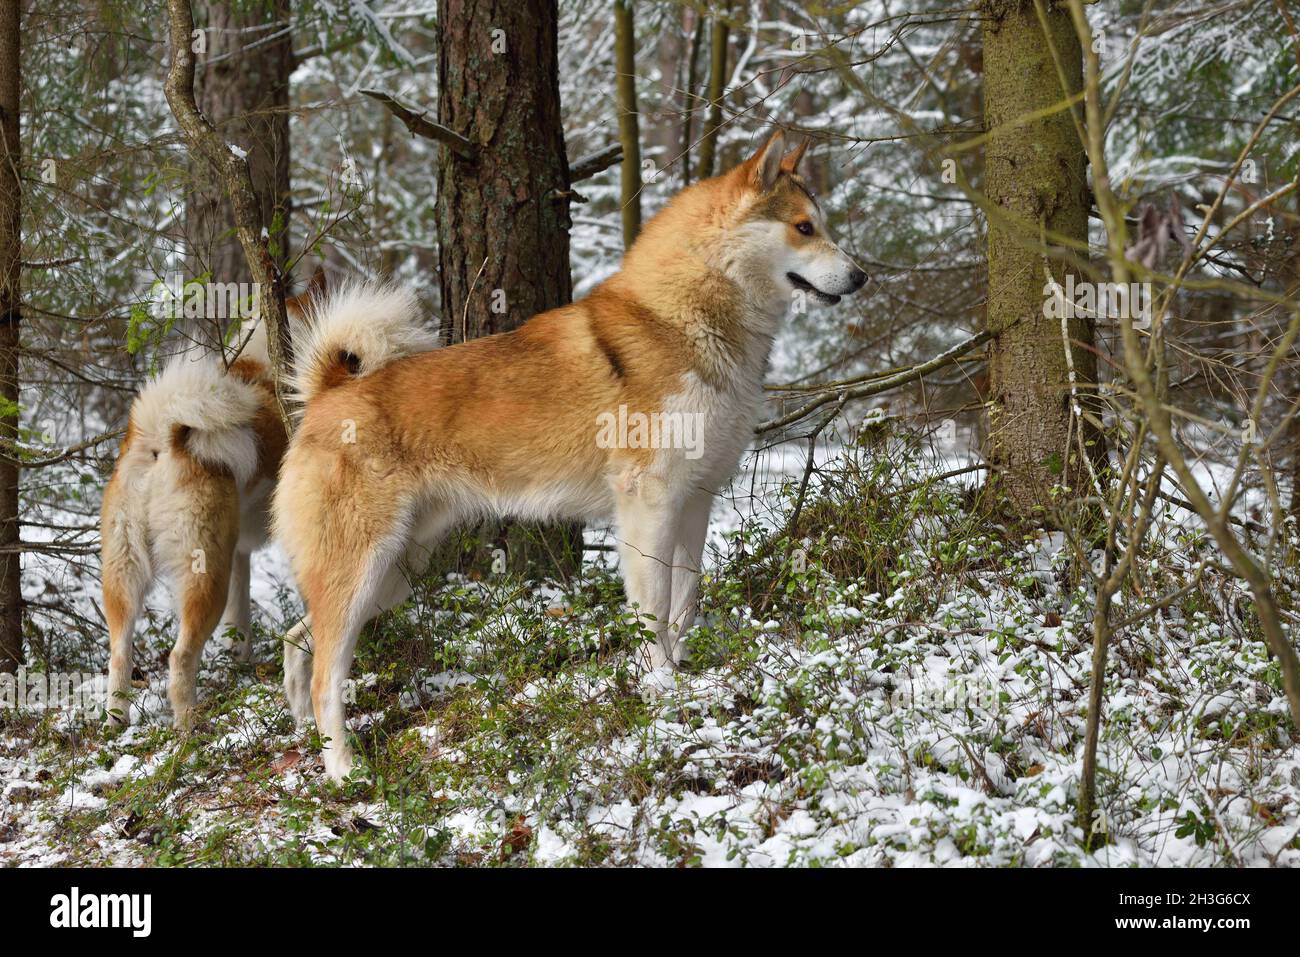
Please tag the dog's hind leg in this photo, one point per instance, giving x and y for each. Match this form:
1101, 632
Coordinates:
647, 536
341, 600
238, 613
688, 555
126, 580
297, 670
201, 593
298, 648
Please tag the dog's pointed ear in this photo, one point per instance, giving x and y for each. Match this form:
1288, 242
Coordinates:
765, 166
790, 162
316, 287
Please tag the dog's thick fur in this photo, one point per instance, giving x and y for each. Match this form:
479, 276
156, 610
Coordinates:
389, 456
188, 502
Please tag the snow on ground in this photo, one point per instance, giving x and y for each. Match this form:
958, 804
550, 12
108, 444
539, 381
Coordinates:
929, 712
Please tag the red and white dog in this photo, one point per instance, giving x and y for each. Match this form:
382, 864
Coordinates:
394, 448
189, 502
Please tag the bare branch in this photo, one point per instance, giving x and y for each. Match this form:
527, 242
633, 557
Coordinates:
879, 386
421, 125
588, 166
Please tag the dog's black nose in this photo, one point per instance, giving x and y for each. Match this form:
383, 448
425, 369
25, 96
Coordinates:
857, 277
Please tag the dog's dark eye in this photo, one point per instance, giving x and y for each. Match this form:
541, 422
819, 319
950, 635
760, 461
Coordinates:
806, 228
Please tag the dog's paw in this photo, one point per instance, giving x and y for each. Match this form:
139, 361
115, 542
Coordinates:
338, 762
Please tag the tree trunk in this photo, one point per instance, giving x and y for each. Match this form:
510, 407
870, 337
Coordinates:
628, 126
1293, 430
11, 596
245, 95
503, 214
1034, 179
717, 89
689, 103
503, 210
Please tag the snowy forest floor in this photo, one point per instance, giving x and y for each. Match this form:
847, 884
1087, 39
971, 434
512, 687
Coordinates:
898, 678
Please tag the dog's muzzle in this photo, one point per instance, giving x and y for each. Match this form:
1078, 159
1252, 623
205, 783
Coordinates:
856, 279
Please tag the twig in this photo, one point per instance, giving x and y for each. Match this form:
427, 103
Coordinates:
877, 387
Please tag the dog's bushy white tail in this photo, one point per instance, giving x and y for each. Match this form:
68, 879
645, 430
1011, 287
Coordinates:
354, 331
194, 408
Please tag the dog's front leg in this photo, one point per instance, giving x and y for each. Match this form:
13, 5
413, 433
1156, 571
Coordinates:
647, 535
688, 556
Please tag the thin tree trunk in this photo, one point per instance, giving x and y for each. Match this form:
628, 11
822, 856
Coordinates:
717, 89
244, 93
204, 141
503, 204
688, 97
628, 126
1293, 291
11, 596
1035, 181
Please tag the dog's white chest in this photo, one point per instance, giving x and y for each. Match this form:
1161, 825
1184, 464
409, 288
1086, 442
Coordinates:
720, 425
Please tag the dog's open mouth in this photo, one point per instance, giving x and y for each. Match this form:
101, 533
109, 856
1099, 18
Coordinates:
796, 280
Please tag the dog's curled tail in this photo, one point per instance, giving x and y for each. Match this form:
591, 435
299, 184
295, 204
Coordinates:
194, 408
354, 331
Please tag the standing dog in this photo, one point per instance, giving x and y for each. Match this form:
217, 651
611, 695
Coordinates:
189, 502
531, 424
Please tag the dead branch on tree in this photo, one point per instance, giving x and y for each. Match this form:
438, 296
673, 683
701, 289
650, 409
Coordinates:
419, 124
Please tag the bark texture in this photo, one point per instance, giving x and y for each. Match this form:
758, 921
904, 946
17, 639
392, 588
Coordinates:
1035, 178
503, 212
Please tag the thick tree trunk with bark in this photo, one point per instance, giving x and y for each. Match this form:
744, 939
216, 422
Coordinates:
1034, 180
629, 133
243, 90
503, 212
503, 203
11, 598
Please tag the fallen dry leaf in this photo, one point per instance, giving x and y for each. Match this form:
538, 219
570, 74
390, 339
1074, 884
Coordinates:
287, 760
520, 837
